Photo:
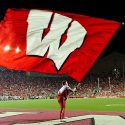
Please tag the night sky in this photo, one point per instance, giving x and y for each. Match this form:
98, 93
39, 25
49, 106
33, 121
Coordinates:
107, 9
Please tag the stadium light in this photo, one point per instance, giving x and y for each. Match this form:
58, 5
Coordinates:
7, 48
123, 23
18, 50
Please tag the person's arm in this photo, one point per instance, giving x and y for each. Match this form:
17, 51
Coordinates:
72, 90
75, 88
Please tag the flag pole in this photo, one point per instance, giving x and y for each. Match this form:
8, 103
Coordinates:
98, 83
109, 79
123, 70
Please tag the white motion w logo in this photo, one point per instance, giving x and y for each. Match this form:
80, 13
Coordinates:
38, 21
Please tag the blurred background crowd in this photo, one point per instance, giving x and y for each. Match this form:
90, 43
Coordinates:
28, 85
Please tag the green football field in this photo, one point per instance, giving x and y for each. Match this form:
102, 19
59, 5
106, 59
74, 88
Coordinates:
85, 104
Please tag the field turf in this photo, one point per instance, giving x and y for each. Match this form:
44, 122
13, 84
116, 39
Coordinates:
85, 104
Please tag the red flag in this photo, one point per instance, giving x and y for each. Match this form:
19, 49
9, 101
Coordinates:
53, 42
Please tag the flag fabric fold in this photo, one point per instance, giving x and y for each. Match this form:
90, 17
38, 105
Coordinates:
52, 42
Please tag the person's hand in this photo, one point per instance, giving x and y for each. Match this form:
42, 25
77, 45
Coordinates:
74, 90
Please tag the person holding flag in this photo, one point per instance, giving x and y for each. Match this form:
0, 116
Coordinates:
62, 97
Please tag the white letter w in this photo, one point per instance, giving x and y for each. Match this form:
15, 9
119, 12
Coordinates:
38, 20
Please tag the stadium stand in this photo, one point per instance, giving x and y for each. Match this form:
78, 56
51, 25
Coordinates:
18, 85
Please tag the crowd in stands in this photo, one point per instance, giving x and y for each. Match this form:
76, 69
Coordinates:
19, 85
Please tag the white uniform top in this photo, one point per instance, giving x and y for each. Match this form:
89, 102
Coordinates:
63, 88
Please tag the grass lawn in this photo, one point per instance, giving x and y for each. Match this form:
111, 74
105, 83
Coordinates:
83, 104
